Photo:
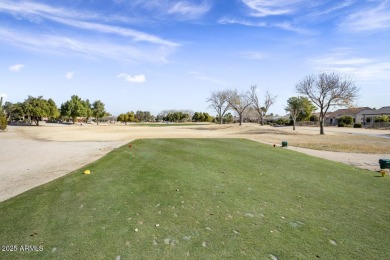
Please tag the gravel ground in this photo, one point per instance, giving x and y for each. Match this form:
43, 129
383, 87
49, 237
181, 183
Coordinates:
31, 156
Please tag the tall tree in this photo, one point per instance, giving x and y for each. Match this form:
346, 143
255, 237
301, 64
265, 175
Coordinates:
53, 109
328, 90
239, 102
73, 108
307, 111
295, 106
98, 110
36, 108
261, 108
14, 111
128, 117
218, 101
88, 109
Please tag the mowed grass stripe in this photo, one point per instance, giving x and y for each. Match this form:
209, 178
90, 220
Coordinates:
207, 199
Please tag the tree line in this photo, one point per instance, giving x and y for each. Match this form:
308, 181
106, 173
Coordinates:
139, 116
320, 91
34, 109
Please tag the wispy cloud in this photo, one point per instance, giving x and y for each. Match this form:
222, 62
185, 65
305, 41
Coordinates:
169, 9
141, 78
36, 12
78, 19
333, 8
85, 47
16, 67
188, 10
263, 8
242, 22
363, 69
129, 44
282, 25
102, 28
369, 19
288, 26
69, 75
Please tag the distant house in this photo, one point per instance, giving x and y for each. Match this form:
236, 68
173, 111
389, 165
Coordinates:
356, 113
368, 117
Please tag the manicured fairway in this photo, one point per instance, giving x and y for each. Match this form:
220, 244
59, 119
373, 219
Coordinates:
203, 199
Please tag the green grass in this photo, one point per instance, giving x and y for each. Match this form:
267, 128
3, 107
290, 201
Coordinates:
212, 199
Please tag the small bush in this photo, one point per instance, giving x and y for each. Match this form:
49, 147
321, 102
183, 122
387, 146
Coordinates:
282, 121
3, 123
341, 125
313, 118
383, 118
347, 120
357, 125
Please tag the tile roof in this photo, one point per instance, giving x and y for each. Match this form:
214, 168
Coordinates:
380, 111
348, 112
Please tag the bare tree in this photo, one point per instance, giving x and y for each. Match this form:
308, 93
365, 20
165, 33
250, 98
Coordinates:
261, 109
218, 101
239, 102
328, 90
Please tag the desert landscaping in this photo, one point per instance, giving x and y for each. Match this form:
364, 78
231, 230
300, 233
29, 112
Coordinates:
32, 156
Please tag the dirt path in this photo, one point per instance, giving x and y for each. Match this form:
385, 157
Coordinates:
31, 156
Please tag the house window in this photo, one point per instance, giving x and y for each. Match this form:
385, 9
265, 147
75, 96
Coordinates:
368, 119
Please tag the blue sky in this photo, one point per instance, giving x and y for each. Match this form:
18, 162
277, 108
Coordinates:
163, 54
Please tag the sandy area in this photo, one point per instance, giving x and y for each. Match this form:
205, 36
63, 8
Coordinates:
31, 156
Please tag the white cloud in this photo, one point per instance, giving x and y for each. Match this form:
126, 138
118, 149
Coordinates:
4, 96
263, 8
77, 19
363, 69
132, 78
69, 75
188, 10
168, 9
369, 19
16, 67
93, 49
134, 45
102, 28
282, 25
242, 22
290, 27
332, 9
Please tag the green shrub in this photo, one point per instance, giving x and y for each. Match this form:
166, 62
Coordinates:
282, 121
3, 123
313, 118
341, 124
347, 120
383, 118
357, 125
